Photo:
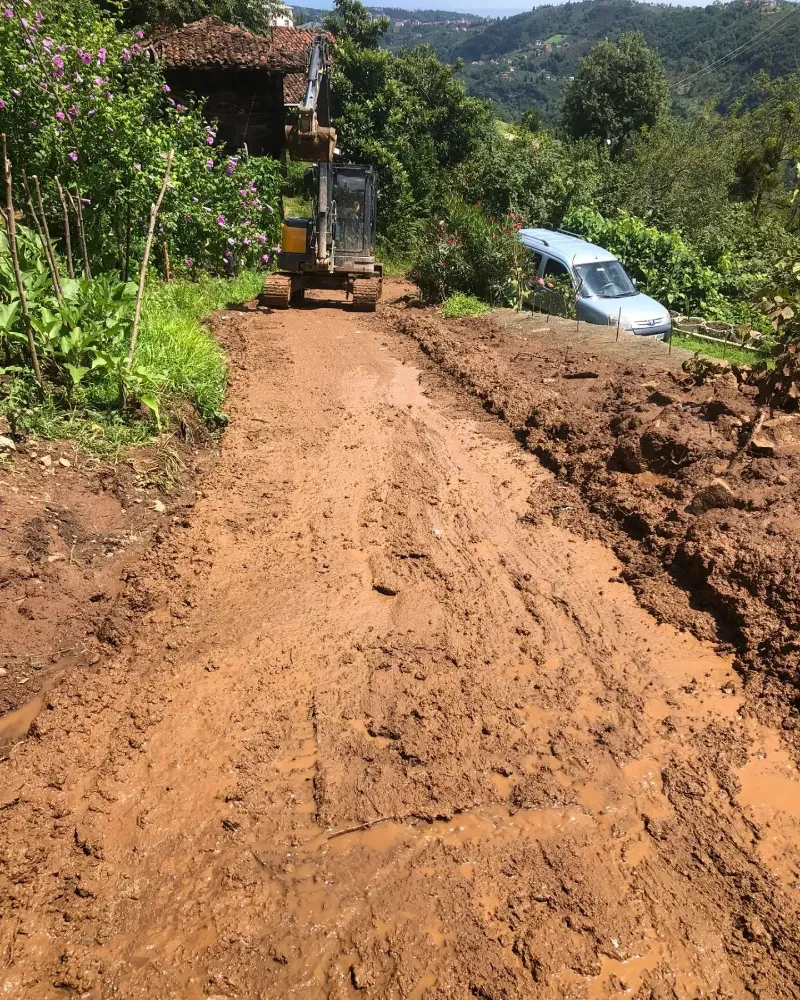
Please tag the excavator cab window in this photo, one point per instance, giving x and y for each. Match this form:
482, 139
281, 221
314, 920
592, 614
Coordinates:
354, 196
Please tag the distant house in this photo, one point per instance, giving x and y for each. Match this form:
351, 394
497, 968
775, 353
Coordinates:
282, 18
245, 78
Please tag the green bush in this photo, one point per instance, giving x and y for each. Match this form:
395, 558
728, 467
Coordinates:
661, 262
457, 305
464, 251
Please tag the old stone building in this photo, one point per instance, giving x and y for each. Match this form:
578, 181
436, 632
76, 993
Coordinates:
245, 78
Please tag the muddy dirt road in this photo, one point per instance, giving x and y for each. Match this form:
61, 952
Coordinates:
379, 735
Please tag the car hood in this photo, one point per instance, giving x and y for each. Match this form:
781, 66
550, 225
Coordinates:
635, 308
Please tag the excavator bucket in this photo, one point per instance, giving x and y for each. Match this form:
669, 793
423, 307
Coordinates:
311, 147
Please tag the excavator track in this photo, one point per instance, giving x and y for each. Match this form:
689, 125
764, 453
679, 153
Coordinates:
366, 293
277, 291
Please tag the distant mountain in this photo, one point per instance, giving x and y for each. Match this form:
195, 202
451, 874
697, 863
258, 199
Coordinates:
395, 14
521, 62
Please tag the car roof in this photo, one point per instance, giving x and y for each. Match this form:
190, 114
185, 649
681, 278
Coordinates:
571, 249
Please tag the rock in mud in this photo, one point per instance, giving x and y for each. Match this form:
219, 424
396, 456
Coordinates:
716, 494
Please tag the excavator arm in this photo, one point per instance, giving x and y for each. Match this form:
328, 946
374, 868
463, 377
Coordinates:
311, 139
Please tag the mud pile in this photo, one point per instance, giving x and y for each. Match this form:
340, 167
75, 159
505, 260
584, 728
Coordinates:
697, 487
72, 529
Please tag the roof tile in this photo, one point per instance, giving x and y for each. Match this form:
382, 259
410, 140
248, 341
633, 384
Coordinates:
213, 42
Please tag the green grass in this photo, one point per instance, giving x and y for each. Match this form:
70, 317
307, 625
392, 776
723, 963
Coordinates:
554, 40
175, 343
708, 349
458, 305
297, 207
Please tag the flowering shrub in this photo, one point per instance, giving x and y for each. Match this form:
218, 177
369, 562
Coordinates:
226, 222
80, 100
464, 251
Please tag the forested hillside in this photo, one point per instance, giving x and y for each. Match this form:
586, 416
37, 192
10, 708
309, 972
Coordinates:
521, 62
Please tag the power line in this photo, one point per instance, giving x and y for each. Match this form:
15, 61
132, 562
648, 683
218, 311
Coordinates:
739, 48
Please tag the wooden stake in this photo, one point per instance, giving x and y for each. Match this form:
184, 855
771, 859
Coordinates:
78, 210
619, 321
11, 223
51, 266
154, 210
67, 234
48, 242
165, 254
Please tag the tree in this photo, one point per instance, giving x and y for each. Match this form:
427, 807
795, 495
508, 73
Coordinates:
532, 120
351, 20
769, 138
407, 115
255, 15
619, 89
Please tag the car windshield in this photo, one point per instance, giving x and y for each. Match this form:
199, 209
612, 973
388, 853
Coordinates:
606, 279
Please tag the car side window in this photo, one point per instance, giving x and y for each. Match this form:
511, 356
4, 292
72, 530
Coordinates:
554, 268
536, 260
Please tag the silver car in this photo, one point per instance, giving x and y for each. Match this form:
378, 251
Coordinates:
605, 293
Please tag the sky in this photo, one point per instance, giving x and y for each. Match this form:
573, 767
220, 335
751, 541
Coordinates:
486, 8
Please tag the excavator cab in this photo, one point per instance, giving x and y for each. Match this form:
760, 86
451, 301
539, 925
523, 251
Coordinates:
335, 249
353, 195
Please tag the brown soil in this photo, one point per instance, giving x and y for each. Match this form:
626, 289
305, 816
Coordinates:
391, 726
697, 487
72, 529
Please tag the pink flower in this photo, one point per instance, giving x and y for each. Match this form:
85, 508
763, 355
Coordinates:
58, 62
188, 218
166, 88
61, 116
137, 166
101, 56
86, 57
262, 239
17, 93
9, 12
47, 43
136, 49
140, 34
73, 156
126, 55
221, 220
245, 242
209, 140
265, 258
73, 112
2, 104
188, 262
209, 164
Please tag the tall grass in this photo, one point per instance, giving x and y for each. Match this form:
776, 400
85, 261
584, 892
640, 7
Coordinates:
175, 343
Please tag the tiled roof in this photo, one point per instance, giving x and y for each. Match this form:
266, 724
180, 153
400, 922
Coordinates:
213, 42
294, 88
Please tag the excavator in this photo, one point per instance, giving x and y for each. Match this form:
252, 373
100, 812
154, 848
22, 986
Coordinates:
335, 249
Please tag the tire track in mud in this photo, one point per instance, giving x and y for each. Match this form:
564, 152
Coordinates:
382, 737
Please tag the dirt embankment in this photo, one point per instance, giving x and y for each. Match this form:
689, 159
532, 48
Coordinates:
73, 528
697, 488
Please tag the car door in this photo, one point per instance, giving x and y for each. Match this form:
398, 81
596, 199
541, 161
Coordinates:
551, 268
